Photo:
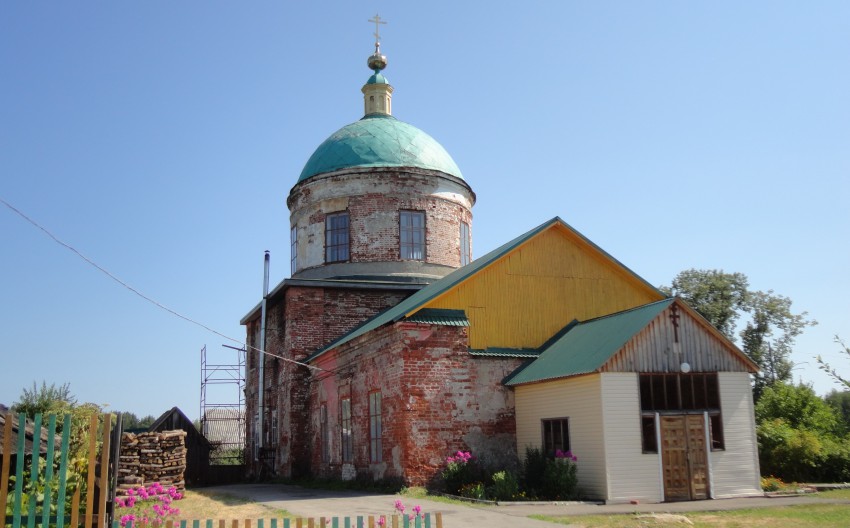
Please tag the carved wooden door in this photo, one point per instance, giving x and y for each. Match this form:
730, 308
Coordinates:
683, 457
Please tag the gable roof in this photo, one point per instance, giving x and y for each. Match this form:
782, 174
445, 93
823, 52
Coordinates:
435, 289
588, 345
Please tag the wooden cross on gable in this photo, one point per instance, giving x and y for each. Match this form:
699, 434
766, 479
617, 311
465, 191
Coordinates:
674, 318
377, 21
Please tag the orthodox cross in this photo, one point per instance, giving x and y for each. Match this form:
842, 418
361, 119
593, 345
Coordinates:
377, 21
674, 318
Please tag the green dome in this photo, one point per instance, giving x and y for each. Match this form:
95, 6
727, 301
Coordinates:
379, 140
377, 78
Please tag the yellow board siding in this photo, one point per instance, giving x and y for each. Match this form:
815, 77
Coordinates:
522, 299
735, 471
580, 400
632, 475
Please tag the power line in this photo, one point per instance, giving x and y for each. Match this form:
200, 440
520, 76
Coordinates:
142, 295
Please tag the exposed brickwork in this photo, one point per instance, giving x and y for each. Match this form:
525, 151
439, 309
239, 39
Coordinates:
303, 320
436, 399
373, 200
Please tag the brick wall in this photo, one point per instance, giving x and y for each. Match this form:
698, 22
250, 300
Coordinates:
436, 398
373, 199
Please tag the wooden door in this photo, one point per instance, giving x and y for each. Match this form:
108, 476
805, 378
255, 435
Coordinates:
683, 457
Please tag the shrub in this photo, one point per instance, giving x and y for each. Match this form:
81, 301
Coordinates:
147, 506
461, 470
553, 478
474, 490
534, 466
505, 486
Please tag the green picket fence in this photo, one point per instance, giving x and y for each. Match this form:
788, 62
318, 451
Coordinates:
371, 521
46, 507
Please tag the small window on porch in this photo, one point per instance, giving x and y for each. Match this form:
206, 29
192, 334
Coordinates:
556, 435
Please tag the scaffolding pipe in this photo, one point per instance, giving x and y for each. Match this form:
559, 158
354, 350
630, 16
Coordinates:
261, 353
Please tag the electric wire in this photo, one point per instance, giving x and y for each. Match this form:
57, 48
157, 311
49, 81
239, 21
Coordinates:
145, 297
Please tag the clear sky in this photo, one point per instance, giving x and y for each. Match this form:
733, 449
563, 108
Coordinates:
161, 140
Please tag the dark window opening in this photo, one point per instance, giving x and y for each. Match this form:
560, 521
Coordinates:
648, 439
693, 393
556, 435
336, 237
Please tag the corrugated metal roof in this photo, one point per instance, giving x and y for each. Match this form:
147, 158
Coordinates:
586, 346
454, 278
439, 316
434, 289
506, 352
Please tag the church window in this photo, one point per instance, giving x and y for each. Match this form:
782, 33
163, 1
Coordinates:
556, 435
336, 237
693, 393
293, 249
412, 235
465, 253
325, 437
273, 433
345, 426
375, 429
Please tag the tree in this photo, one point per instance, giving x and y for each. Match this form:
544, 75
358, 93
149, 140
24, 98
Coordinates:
131, 421
722, 298
45, 399
826, 367
716, 295
840, 401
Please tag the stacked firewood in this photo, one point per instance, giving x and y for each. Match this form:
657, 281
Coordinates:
152, 457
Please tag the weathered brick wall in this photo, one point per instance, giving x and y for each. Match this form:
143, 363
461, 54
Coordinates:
306, 319
373, 200
436, 400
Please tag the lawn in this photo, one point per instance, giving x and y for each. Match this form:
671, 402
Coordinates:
202, 505
811, 515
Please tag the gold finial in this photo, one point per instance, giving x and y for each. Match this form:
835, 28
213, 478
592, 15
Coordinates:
376, 61
377, 21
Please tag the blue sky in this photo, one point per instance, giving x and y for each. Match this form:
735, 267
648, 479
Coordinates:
161, 140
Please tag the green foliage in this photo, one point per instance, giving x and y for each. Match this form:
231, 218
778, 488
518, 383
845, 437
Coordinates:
840, 402
505, 486
799, 407
462, 470
800, 436
132, 422
716, 295
772, 327
47, 399
473, 490
549, 478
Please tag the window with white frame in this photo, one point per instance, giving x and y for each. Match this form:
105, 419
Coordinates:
411, 235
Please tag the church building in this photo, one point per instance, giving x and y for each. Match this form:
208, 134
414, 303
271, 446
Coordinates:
390, 348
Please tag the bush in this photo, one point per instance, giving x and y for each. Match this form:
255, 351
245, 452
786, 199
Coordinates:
552, 478
505, 486
462, 469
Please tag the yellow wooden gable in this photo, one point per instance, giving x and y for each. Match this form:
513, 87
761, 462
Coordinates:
525, 296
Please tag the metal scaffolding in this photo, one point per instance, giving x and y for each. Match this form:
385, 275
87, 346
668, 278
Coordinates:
223, 406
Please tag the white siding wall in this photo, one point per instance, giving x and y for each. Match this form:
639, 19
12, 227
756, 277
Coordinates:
735, 471
631, 474
578, 399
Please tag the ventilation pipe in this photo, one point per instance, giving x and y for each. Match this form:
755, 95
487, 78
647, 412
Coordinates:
262, 352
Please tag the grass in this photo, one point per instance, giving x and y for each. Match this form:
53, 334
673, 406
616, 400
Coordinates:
811, 515
200, 504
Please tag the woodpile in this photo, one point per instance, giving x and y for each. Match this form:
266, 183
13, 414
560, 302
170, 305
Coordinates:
152, 457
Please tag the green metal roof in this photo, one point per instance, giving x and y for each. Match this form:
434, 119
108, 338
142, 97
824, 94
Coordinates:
377, 78
586, 346
379, 140
440, 316
426, 294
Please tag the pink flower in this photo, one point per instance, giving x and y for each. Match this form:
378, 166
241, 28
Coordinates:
399, 506
417, 510
382, 521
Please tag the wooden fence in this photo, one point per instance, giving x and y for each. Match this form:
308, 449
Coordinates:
47, 506
371, 521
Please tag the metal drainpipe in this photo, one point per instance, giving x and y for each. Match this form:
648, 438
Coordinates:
261, 353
